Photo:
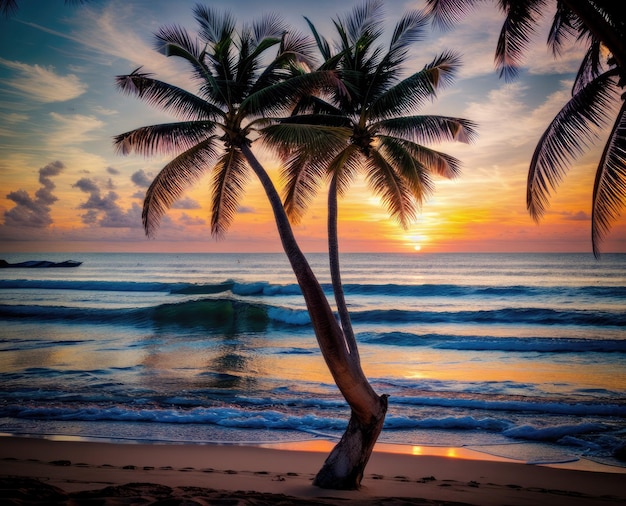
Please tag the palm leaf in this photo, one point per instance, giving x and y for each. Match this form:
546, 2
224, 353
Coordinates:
277, 98
414, 173
428, 129
167, 97
306, 151
215, 26
270, 25
565, 25
609, 189
412, 92
163, 139
364, 19
322, 44
436, 162
568, 135
408, 30
590, 67
345, 166
175, 41
447, 13
519, 25
385, 182
229, 179
173, 180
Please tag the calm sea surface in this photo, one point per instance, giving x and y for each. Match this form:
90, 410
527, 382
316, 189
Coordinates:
518, 355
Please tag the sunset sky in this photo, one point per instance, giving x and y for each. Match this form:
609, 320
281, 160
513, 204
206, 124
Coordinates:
63, 187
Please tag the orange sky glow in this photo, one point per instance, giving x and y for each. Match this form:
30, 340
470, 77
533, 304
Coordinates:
91, 199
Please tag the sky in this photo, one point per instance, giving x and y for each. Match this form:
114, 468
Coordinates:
63, 186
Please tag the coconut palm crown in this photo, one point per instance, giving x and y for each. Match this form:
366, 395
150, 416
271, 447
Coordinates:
372, 128
596, 95
236, 98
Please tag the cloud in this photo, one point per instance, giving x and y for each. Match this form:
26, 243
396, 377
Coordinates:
113, 171
579, 216
245, 210
141, 179
103, 210
186, 203
190, 221
42, 83
34, 212
72, 129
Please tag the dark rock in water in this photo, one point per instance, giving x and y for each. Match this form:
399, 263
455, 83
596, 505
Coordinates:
620, 453
39, 264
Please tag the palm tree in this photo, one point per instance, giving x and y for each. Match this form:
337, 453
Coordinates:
237, 97
595, 100
369, 129
368, 125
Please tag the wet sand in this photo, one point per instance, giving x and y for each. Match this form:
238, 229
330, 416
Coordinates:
45, 471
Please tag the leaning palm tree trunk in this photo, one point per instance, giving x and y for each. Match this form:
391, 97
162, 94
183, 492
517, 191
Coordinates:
335, 271
345, 465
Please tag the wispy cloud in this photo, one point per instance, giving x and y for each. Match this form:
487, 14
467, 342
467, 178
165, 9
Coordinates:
42, 84
72, 129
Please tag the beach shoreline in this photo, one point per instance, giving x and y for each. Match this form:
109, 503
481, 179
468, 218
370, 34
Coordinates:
30, 467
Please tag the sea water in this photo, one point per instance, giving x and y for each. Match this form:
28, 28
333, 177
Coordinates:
517, 355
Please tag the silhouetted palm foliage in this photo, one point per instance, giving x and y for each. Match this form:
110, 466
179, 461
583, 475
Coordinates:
371, 125
235, 98
10, 7
595, 102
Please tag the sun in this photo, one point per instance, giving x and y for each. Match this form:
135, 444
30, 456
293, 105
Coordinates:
417, 247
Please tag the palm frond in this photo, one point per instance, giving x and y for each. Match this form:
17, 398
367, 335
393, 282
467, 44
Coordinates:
322, 44
306, 133
295, 57
590, 67
415, 174
429, 129
434, 161
302, 176
215, 26
411, 93
395, 194
279, 97
565, 25
173, 180
447, 13
229, 179
364, 19
518, 27
345, 167
305, 150
568, 135
408, 30
163, 139
270, 25
609, 189
170, 98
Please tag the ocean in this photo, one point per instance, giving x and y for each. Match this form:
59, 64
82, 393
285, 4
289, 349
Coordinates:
515, 355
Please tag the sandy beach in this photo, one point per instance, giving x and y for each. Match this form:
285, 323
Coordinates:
45, 471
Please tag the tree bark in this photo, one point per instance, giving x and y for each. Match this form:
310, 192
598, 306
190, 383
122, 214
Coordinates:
344, 466
335, 270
